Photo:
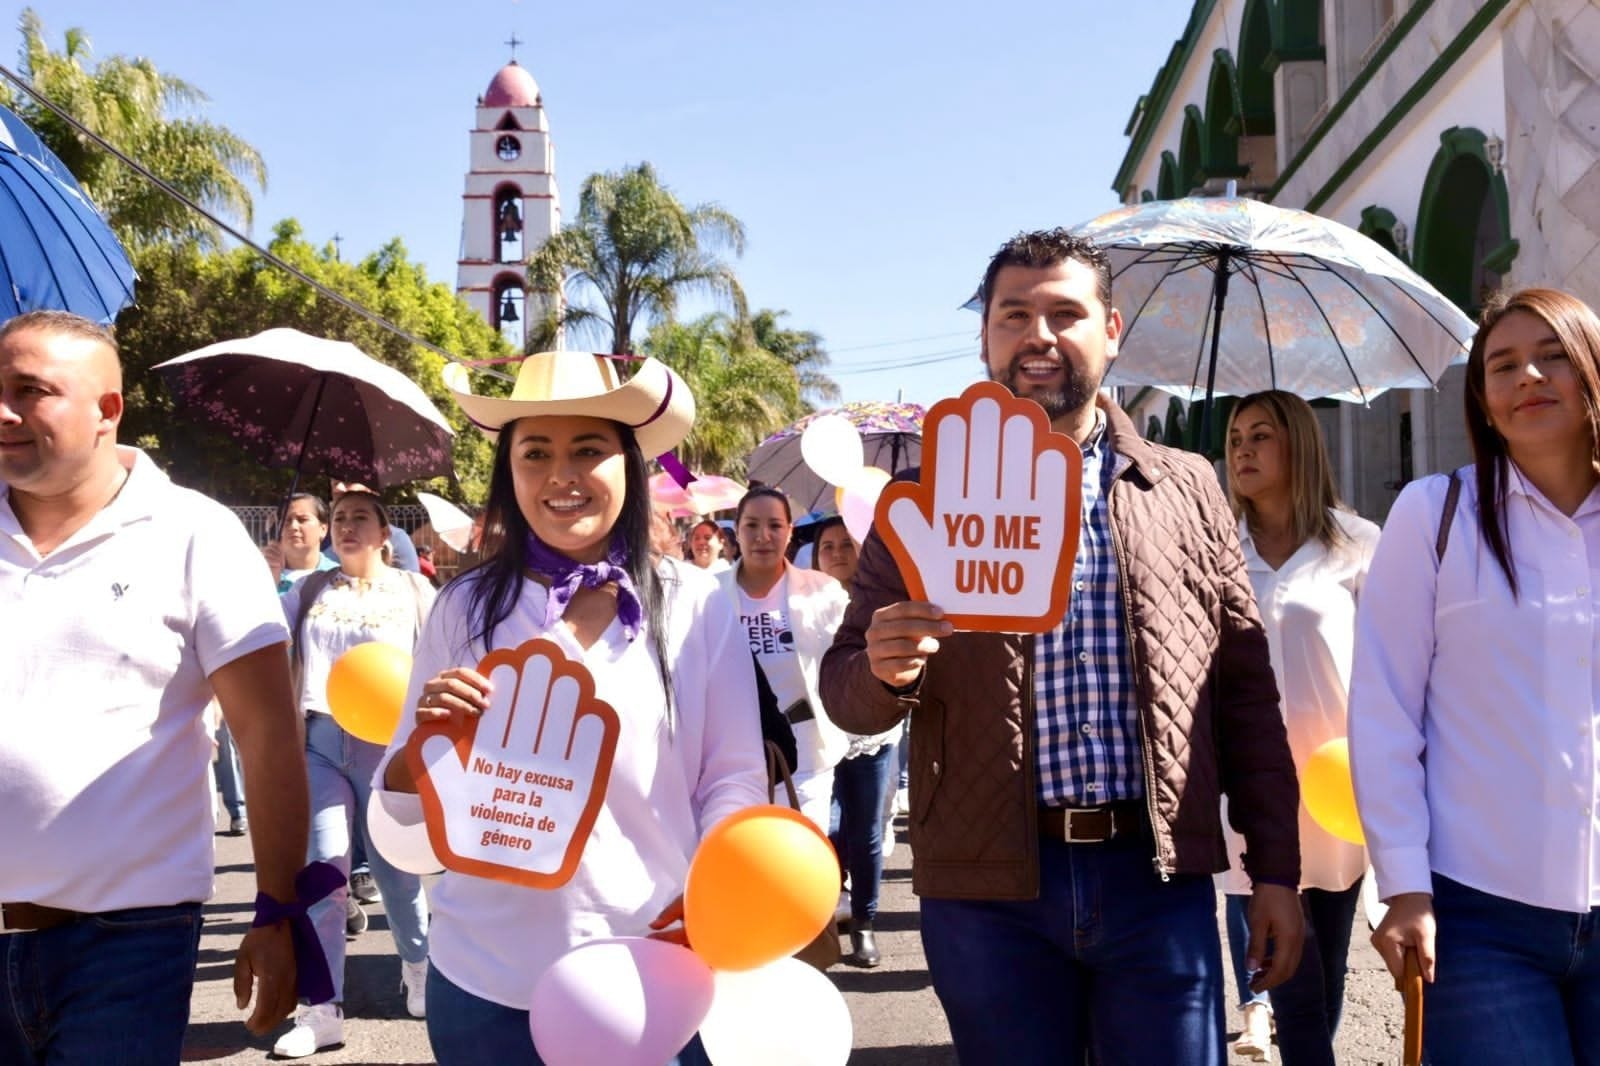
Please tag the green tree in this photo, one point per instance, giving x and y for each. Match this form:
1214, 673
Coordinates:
628, 256
150, 116
742, 392
190, 297
801, 349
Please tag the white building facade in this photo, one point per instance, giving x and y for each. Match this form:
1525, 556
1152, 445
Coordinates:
510, 205
1462, 135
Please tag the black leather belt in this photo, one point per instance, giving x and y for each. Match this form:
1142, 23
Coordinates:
33, 917
1093, 825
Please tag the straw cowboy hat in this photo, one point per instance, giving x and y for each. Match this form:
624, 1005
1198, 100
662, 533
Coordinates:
655, 403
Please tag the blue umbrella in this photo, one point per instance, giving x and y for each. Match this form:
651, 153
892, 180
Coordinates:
56, 251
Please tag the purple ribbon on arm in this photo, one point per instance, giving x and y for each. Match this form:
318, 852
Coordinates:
311, 885
567, 576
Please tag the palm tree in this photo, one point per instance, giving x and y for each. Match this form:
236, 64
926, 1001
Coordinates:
741, 392
635, 249
800, 348
147, 115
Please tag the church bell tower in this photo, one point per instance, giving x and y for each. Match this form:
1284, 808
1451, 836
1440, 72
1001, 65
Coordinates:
510, 205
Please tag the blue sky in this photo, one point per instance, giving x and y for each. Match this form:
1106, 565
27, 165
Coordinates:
876, 152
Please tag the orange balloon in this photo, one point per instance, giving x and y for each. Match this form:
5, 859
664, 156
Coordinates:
762, 885
1329, 793
367, 690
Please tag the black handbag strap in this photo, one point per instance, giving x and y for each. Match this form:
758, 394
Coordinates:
1451, 497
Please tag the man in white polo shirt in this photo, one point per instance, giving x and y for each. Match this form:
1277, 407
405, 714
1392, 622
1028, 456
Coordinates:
125, 602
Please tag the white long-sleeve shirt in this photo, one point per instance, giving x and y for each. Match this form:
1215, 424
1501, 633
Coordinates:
1308, 609
1475, 717
669, 783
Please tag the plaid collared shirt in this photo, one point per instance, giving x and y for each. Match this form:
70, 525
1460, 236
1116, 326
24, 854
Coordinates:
1085, 724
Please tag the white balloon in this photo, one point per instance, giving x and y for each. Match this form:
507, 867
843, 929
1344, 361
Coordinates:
858, 500
395, 827
785, 1013
831, 447
455, 377
450, 523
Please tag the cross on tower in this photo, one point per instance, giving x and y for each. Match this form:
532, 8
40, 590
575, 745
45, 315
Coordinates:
513, 43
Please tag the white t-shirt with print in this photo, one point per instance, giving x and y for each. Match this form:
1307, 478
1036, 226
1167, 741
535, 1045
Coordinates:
766, 621
106, 644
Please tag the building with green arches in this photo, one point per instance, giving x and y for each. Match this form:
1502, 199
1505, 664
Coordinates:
1464, 135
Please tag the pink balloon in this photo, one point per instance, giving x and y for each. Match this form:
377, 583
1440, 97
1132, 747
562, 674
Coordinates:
859, 499
628, 1001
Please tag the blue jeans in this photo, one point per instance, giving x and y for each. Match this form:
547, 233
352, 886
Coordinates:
465, 1030
1513, 982
112, 989
340, 770
1238, 910
859, 787
1109, 959
230, 782
1308, 1005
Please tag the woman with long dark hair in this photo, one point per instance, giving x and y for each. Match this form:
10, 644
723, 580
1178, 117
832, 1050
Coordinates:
1475, 703
567, 558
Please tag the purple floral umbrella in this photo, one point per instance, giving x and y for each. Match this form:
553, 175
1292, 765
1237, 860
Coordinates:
314, 405
891, 437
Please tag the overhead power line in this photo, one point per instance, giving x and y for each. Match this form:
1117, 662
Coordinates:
323, 290
927, 359
908, 340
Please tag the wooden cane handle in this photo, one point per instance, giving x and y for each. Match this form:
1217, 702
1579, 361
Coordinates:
1410, 986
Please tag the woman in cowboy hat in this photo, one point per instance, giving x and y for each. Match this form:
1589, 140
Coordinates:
567, 558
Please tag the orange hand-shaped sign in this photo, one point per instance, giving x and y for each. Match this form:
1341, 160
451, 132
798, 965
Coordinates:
991, 531
513, 793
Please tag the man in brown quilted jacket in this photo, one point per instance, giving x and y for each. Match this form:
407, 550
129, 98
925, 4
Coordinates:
1065, 787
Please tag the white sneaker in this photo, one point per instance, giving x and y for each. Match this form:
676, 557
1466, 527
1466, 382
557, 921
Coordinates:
414, 979
902, 801
1255, 1039
888, 839
315, 1028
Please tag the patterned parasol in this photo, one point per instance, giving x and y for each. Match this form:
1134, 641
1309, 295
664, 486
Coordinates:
317, 406
891, 436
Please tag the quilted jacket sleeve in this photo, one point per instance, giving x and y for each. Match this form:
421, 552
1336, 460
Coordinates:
855, 700
1256, 767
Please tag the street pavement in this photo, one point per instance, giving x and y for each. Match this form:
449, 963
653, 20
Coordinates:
897, 1018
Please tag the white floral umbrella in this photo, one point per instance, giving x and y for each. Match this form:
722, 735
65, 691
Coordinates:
1227, 296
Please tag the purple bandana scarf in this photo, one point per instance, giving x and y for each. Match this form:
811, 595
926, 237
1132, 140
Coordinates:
567, 577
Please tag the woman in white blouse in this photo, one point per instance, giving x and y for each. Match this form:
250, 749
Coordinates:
1475, 705
332, 611
567, 558
789, 615
1307, 557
